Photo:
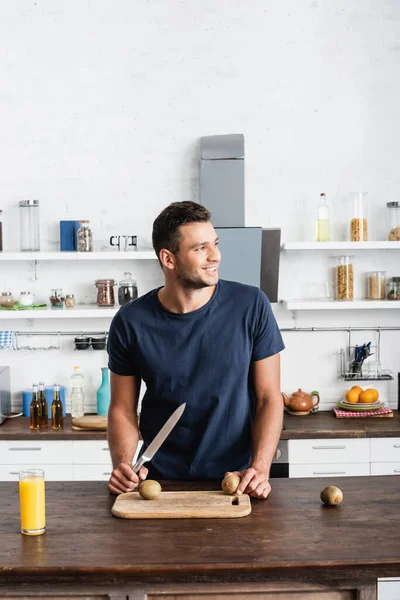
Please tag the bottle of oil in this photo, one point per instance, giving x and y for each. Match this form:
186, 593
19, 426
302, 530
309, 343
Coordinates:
44, 409
323, 221
35, 409
57, 421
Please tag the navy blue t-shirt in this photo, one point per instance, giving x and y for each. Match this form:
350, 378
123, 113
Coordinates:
202, 358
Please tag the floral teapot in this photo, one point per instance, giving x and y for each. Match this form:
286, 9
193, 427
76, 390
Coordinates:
300, 401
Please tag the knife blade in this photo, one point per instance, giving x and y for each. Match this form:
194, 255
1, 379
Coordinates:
160, 438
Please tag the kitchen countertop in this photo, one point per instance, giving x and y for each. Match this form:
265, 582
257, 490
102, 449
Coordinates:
291, 536
317, 425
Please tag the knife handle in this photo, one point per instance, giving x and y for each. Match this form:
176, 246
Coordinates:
139, 464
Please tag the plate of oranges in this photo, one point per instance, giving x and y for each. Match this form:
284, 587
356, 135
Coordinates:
359, 399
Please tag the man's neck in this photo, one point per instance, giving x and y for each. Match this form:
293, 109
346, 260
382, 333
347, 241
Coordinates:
182, 300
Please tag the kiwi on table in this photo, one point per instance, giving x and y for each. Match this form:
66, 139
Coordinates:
331, 495
230, 484
149, 489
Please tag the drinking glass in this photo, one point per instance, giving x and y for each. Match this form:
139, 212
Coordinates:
32, 501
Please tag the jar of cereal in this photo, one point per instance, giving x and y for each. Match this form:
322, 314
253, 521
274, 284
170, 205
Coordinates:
344, 278
358, 217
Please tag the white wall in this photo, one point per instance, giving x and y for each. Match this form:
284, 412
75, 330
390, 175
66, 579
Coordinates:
102, 105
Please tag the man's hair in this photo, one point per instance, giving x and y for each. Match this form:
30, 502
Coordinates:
166, 226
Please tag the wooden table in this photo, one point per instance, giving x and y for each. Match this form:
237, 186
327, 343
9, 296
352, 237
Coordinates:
289, 543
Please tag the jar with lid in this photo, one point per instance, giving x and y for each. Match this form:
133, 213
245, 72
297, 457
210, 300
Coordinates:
376, 285
1, 230
84, 237
105, 292
29, 225
393, 288
69, 300
344, 278
393, 221
7, 300
26, 299
127, 290
358, 217
57, 298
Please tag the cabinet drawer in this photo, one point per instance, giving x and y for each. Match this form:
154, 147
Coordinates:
385, 468
92, 472
27, 452
325, 451
90, 452
51, 472
333, 470
385, 449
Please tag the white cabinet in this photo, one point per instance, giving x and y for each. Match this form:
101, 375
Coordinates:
331, 470
385, 456
340, 457
388, 589
51, 472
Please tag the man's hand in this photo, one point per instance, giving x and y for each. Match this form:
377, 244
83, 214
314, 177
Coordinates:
123, 479
254, 482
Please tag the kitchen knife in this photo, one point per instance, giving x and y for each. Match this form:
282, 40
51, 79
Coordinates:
160, 438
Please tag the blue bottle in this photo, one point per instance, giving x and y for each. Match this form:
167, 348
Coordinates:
103, 393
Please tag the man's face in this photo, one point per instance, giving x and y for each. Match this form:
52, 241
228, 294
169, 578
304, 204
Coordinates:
196, 263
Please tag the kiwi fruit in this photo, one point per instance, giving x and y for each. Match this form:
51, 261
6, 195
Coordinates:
149, 489
331, 495
230, 484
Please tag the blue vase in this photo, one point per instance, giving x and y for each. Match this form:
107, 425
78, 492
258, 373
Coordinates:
103, 393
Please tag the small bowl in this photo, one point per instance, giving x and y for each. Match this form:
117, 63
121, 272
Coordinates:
82, 343
99, 343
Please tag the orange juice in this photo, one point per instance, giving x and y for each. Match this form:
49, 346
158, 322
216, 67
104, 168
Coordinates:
32, 502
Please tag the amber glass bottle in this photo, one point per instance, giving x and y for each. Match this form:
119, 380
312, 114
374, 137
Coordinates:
57, 421
44, 409
35, 409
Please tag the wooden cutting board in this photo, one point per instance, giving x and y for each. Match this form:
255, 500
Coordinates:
182, 505
90, 422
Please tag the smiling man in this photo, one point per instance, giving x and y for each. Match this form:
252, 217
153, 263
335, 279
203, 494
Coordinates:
211, 343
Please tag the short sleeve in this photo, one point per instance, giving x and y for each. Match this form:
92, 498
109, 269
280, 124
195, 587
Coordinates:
267, 339
120, 350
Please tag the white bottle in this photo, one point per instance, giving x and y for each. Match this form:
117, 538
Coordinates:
323, 221
77, 395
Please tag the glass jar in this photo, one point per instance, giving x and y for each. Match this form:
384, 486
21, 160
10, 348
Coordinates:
26, 299
105, 292
393, 288
84, 241
29, 225
393, 221
1, 231
344, 278
57, 298
359, 221
7, 300
69, 300
376, 285
127, 290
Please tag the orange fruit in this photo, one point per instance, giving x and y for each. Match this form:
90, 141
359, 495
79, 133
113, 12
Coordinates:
358, 388
375, 392
368, 396
352, 396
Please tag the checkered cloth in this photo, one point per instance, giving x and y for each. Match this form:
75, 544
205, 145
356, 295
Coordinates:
7, 339
384, 410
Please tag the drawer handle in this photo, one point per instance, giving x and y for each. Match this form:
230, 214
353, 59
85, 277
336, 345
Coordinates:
329, 447
396, 445
329, 472
106, 473
397, 470
13, 473
106, 449
26, 449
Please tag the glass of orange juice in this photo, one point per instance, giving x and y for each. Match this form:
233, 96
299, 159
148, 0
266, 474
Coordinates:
32, 501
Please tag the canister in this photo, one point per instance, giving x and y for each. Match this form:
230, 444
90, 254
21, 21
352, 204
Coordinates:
393, 212
344, 278
29, 225
358, 217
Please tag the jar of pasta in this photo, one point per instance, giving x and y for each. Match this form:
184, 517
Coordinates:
376, 285
358, 217
344, 278
394, 221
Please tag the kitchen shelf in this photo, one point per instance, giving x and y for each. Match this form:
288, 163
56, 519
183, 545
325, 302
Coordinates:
347, 246
79, 311
80, 256
340, 305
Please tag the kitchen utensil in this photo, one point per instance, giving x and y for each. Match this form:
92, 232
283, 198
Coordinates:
95, 422
182, 505
128, 241
300, 401
160, 438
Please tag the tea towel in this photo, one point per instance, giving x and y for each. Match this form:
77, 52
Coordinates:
7, 340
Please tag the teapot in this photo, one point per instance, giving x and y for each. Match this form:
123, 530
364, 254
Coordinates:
300, 401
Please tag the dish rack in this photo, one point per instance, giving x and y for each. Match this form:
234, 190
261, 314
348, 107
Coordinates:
349, 371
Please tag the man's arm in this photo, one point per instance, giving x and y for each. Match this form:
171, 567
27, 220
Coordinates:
123, 433
267, 426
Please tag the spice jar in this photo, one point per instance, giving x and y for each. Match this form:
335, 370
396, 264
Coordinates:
84, 237
359, 222
26, 299
127, 290
57, 298
393, 288
69, 300
105, 292
376, 284
344, 278
393, 221
6, 300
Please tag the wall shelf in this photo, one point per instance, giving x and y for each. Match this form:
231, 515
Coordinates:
339, 305
80, 256
79, 311
347, 246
